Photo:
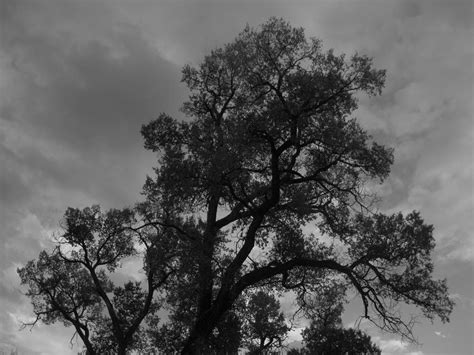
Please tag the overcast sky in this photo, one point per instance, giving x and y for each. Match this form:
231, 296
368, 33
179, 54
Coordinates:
79, 78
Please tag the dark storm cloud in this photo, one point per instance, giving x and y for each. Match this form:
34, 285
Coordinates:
77, 97
83, 91
191, 29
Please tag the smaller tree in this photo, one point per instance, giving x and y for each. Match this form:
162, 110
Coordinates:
329, 341
264, 327
167, 338
72, 284
325, 335
227, 336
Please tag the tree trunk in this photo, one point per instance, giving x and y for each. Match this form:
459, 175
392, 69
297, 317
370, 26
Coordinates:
195, 345
89, 348
122, 349
197, 342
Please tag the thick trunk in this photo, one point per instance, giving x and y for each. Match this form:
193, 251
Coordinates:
262, 345
85, 338
205, 275
122, 349
197, 342
195, 345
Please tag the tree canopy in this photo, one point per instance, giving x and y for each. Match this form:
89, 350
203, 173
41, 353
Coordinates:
268, 150
266, 181
326, 335
264, 325
73, 283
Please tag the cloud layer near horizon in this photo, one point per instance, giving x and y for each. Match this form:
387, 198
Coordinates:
79, 79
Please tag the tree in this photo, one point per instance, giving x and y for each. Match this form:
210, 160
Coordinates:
264, 326
326, 336
72, 283
295, 352
225, 339
269, 147
328, 341
228, 335
325, 305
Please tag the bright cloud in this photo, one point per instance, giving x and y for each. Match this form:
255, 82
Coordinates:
393, 345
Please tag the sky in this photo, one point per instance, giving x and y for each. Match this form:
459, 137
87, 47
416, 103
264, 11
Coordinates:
79, 78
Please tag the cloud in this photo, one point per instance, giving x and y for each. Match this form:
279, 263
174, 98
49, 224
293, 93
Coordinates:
295, 334
83, 95
395, 346
78, 85
42, 340
45, 339
462, 300
199, 26
441, 335
426, 110
392, 346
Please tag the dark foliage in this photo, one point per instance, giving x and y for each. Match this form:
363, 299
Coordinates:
72, 283
264, 326
269, 147
334, 341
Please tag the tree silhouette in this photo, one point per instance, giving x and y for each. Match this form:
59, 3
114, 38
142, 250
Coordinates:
266, 182
228, 336
72, 283
332, 341
269, 147
326, 335
264, 326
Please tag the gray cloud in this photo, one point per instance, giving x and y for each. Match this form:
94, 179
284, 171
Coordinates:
88, 93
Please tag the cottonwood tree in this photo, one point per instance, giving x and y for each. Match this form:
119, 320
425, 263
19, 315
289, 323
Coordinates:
337, 340
72, 284
227, 336
265, 328
270, 150
325, 334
